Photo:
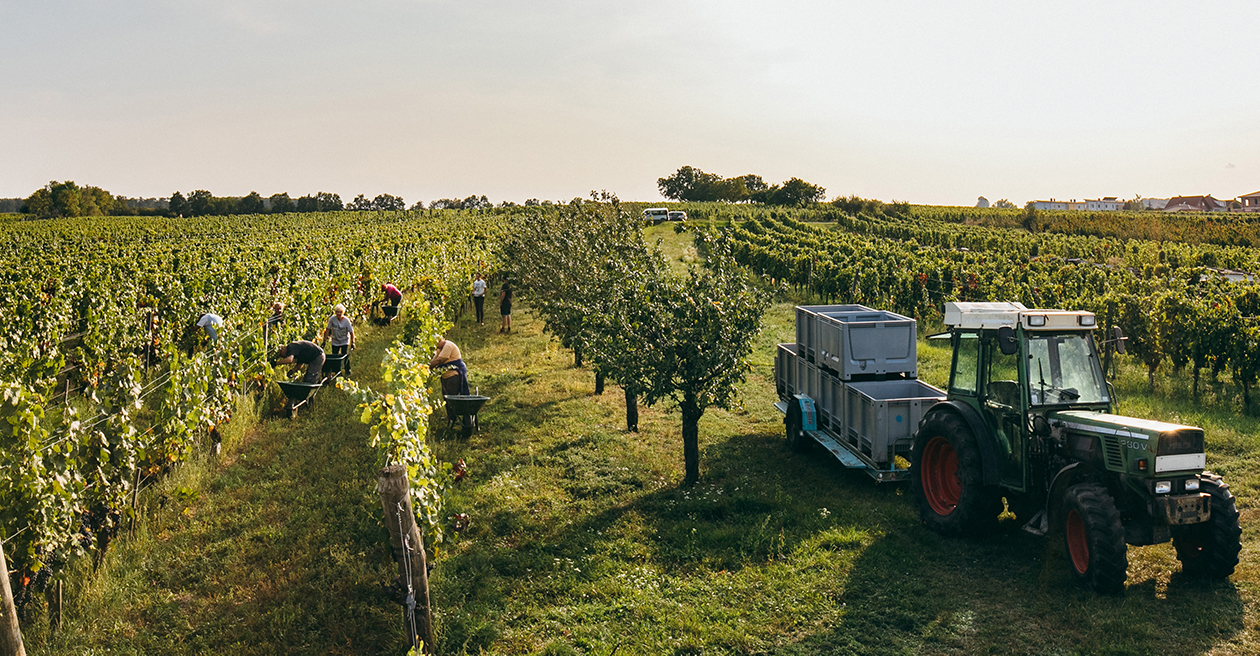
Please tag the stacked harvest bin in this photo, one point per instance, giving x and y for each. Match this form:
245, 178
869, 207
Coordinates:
859, 367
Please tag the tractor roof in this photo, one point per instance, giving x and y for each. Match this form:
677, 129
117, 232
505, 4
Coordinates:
996, 315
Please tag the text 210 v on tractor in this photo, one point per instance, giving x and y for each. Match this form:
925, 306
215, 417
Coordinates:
1028, 417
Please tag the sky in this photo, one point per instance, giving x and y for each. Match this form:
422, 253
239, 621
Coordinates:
928, 102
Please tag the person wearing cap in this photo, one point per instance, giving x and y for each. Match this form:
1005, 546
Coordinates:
303, 352
341, 331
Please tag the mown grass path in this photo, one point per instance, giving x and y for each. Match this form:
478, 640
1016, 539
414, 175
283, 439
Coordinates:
276, 547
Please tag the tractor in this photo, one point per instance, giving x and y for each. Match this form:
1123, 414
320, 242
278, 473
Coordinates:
1029, 423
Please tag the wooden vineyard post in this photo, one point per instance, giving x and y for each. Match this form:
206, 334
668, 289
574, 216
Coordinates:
392, 485
10, 632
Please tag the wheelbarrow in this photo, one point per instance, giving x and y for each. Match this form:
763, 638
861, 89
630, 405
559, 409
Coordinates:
466, 406
298, 394
333, 366
388, 314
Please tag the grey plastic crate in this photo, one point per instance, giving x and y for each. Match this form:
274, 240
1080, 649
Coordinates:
856, 341
807, 330
785, 360
881, 417
830, 402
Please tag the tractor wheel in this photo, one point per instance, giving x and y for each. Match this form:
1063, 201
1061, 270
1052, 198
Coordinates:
1210, 550
1094, 538
797, 440
948, 479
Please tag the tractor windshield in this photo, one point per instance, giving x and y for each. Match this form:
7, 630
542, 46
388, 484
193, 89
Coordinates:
1063, 368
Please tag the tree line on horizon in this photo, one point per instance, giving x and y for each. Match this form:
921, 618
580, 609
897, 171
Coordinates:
68, 199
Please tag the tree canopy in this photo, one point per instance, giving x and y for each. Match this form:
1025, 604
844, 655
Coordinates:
690, 184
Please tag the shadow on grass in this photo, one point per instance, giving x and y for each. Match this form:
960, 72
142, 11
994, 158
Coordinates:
911, 591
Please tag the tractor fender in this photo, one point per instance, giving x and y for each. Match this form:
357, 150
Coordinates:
988, 454
1062, 481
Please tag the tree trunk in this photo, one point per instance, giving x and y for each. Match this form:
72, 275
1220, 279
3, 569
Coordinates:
392, 485
632, 411
691, 413
1195, 377
577, 356
1246, 398
10, 632
1150, 377
599, 381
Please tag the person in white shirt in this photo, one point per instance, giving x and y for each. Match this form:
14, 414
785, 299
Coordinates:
479, 299
341, 332
210, 323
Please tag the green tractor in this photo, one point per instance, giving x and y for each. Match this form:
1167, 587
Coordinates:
1029, 419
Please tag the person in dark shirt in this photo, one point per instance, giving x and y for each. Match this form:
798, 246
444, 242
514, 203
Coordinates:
303, 353
505, 308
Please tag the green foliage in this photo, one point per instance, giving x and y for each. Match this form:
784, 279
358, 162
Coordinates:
399, 418
105, 309
603, 291
693, 185
67, 199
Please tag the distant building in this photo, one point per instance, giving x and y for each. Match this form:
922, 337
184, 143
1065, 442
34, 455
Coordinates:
1108, 204
1051, 204
1154, 203
982, 202
1250, 202
1194, 204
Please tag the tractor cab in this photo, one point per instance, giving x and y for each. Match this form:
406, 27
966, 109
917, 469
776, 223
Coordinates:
1012, 364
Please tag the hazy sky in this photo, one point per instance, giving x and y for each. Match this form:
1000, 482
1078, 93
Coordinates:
931, 102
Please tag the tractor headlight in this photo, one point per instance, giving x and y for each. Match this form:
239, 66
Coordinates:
1192, 484
1163, 487
1036, 320
1085, 319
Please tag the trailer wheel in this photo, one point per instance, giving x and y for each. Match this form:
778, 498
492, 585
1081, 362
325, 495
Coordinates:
793, 425
1094, 538
948, 479
1210, 550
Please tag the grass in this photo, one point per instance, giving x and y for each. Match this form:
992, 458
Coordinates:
583, 541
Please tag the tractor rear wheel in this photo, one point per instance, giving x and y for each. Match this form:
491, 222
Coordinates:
948, 479
1210, 550
1094, 538
793, 425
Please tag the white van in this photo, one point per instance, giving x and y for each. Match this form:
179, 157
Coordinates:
656, 214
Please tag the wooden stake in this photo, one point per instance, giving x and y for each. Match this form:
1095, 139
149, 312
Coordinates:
10, 632
392, 485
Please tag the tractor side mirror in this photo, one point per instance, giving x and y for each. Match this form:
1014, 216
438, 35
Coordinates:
1006, 340
1118, 335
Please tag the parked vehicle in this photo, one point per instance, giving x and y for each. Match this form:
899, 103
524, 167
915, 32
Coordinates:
1028, 417
656, 214
678, 215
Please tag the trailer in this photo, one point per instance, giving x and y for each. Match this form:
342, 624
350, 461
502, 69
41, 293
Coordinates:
850, 384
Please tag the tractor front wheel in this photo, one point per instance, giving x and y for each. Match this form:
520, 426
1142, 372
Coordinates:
948, 479
1210, 550
1094, 538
